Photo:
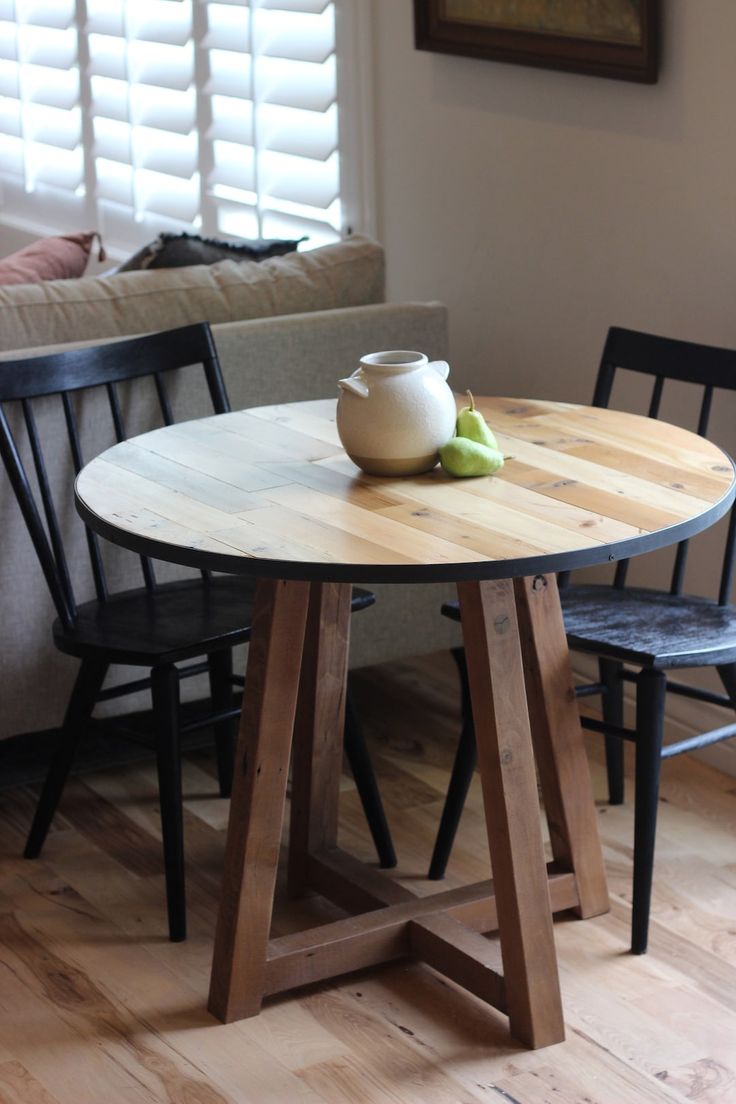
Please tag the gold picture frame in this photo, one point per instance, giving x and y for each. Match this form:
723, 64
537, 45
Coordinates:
606, 38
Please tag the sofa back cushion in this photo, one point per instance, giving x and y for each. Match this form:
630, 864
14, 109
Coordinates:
347, 274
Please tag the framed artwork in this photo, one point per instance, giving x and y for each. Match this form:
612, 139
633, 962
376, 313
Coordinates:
607, 38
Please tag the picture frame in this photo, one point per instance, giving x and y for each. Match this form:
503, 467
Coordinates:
605, 38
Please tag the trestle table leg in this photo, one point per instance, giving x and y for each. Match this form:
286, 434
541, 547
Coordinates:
259, 793
506, 764
558, 741
319, 728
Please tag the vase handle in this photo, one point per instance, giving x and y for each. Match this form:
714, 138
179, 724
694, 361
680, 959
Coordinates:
441, 367
355, 383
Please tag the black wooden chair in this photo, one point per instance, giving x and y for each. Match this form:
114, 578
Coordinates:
156, 626
651, 631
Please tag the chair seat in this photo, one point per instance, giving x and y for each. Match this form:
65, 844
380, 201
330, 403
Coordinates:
177, 621
648, 628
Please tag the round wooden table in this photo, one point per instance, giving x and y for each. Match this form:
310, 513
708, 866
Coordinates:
269, 492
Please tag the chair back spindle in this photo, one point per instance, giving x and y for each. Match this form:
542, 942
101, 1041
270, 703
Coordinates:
116, 411
93, 544
656, 399
705, 406
163, 400
118, 421
729, 562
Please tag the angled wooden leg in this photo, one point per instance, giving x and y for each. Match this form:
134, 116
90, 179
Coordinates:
558, 741
319, 728
259, 792
506, 763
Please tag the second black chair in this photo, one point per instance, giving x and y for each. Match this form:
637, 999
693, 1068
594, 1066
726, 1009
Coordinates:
157, 626
637, 633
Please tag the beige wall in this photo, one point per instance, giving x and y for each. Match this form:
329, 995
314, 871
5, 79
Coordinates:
542, 207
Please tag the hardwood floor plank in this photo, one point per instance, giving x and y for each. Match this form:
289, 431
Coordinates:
18, 1086
157, 1017
97, 1006
384, 1057
705, 1081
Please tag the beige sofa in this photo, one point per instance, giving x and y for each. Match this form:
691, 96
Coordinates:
285, 329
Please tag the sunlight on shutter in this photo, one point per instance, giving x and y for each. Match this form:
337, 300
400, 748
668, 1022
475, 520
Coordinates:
136, 116
271, 110
41, 152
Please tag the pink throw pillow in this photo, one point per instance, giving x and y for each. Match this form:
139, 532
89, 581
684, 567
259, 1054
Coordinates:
62, 258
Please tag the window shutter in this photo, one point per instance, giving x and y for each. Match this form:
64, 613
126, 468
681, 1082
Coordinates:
143, 109
271, 118
41, 150
136, 116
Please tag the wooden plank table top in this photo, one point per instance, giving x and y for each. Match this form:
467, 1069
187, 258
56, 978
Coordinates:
270, 492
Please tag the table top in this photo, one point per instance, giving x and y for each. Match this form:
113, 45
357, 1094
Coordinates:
270, 492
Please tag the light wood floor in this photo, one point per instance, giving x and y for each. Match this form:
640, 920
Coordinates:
96, 1007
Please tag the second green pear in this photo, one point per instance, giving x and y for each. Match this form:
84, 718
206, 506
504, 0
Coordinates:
462, 458
472, 424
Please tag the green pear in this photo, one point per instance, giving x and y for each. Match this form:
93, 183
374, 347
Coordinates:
461, 458
472, 424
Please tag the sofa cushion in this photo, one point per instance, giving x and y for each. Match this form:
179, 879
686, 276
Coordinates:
180, 250
349, 273
59, 258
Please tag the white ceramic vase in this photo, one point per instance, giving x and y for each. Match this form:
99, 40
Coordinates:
395, 412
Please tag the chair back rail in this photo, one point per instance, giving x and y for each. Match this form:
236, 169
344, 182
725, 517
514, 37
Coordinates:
664, 358
77, 370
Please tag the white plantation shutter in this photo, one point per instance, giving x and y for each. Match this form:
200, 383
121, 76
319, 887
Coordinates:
135, 116
271, 111
143, 107
41, 150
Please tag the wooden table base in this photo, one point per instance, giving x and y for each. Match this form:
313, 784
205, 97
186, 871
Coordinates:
516, 652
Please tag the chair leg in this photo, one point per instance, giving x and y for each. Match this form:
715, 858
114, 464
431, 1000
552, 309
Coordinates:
365, 781
165, 695
90, 678
727, 672
650, 701
221, 691
613, 712
466, 759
